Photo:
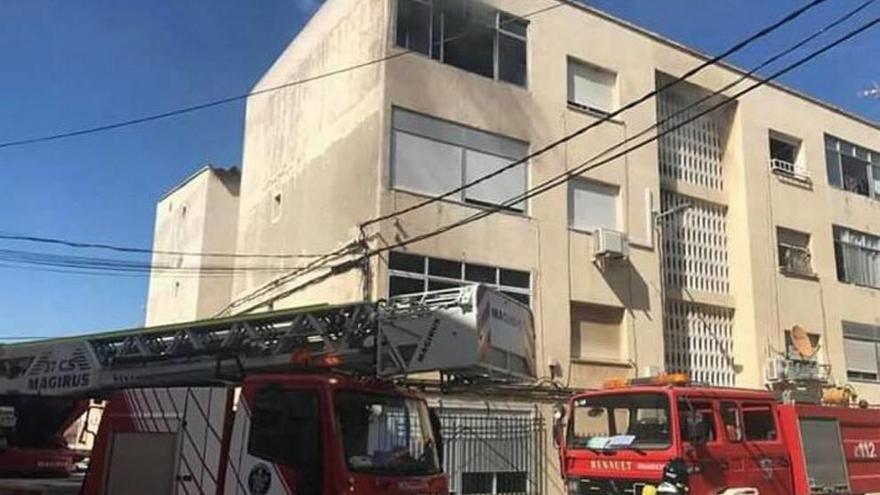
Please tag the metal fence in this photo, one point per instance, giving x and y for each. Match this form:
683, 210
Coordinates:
494, 452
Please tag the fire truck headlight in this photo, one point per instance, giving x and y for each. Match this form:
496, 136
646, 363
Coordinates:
574, 486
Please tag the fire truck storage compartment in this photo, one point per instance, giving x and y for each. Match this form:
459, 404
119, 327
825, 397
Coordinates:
142, 463
823, 454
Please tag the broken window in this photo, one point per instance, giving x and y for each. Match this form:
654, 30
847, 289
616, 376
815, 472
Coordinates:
467, 35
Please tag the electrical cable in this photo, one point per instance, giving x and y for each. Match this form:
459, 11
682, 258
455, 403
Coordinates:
606, 118
127, 249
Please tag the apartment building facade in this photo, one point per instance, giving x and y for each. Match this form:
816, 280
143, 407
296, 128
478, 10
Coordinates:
740, 224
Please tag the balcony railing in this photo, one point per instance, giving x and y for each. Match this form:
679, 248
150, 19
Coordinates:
794, 170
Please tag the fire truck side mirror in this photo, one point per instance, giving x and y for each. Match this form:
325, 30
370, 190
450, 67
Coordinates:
559, 414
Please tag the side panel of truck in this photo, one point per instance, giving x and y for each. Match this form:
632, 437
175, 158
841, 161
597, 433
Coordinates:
161, 440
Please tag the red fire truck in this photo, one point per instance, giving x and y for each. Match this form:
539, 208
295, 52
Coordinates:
666, 435
297, 401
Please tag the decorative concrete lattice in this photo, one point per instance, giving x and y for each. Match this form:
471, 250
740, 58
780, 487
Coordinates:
692, 153
699, 341
695, 245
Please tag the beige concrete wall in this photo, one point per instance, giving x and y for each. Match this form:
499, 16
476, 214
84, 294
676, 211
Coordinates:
324, 147
198, 216
316, 145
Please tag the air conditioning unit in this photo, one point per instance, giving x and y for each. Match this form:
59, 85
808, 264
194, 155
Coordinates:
610, 244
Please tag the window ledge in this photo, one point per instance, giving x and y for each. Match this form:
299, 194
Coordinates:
617, 363
801, 275
593, 112
793, 179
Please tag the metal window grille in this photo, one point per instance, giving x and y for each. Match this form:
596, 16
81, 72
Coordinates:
695, 245
795, 259
694, 152
699, 341
494, 453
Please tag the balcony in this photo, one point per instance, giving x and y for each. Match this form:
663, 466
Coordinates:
790, 170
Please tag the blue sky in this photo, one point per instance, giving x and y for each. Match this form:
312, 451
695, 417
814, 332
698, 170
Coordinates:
67, 65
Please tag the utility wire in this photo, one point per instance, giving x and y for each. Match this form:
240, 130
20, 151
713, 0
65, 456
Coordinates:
736, 47
648, 96
127, 249
240, 97
565, 177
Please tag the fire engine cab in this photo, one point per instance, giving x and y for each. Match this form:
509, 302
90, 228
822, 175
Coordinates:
301, 401
666, 435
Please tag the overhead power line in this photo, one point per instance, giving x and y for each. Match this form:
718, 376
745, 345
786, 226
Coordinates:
736, 47
127, 249
635, 103
240, 97
562, 178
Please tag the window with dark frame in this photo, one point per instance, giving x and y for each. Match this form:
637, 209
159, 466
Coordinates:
852, 168
857, 256
413, 274
466, 34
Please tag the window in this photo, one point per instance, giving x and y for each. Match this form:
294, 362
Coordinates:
285, 428
758, 423
785, 156
595, 420
466, 34
731, 420
596, 331
591, 87
794, 252
431, 156
861, 346
384, 434
858, 257
852, 168
702, 410
494, 483
592, 206
411, 274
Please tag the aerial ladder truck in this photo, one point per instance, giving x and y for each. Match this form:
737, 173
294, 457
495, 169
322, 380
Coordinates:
306, 401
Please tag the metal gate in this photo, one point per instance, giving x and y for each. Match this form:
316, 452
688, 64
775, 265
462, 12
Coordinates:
493, 452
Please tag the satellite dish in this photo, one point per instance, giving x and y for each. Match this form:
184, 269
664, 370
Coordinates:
801, 341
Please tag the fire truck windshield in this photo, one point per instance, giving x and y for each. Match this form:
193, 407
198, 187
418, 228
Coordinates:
620, 421
386, 434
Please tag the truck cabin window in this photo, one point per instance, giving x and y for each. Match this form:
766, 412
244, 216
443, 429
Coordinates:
758, 423
386, 434
732, 422
285, 429
617, 422
702, 413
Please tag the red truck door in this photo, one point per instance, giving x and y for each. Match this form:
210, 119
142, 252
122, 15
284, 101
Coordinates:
767, 462
278, 444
